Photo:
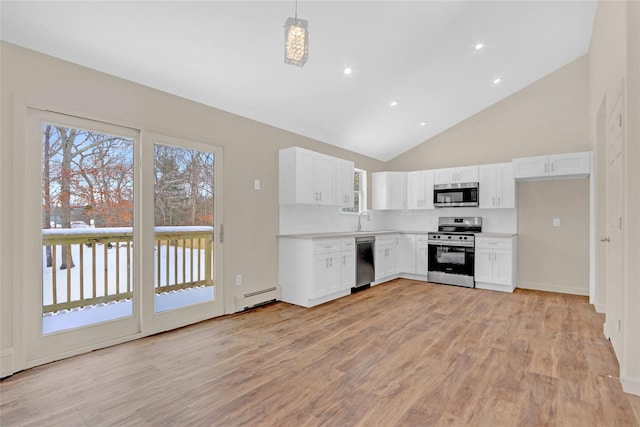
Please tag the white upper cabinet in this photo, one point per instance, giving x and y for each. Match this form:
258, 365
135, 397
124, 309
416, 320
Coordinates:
497, 186
569, 165
344, 183
389, 190
420, 189
456, 175
307, 177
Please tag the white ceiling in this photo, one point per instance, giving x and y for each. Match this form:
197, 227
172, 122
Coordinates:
229, 55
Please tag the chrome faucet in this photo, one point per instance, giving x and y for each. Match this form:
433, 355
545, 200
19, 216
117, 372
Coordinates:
360, 217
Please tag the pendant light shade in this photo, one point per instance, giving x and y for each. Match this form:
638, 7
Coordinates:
296, 41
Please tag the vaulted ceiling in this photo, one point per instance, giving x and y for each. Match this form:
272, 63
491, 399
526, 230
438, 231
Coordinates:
229, 54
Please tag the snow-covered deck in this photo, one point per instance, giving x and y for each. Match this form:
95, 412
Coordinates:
100, 285
75, 318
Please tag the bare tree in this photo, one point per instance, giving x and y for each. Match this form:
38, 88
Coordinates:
90, 167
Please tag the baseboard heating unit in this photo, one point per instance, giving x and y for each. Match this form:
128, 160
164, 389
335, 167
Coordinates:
258, 298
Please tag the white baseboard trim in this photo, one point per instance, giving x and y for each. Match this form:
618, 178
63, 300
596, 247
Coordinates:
6, 362
495, 287
600, 308
411, 276
631, 385
548, 287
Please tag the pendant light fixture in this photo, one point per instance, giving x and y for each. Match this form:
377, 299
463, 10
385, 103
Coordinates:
296, 40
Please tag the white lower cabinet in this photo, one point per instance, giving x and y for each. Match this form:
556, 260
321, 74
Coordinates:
422, 255
312, 272
495, 263
348, 264
406, 261
326, 274
385, 258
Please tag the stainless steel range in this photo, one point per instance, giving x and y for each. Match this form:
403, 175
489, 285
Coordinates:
452, 249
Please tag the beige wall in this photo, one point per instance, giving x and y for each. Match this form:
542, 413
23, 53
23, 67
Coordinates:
550, 116
250, 152
614, 66
554, 258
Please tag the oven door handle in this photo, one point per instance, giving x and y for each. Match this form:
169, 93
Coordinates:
453, 244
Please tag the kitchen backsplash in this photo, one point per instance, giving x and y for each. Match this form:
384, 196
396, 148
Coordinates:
300, 219
493, 220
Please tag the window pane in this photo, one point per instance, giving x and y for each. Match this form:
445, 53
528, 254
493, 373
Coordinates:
183, 196
87, 212
358, 190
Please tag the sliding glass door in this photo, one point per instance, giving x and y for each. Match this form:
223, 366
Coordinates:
82, 291
119, 235
187, 177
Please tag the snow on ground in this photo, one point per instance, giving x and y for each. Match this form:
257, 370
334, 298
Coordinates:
68, 319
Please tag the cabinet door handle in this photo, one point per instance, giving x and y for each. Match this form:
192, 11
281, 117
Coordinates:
344, 259
553, 167
321, 196
546, 167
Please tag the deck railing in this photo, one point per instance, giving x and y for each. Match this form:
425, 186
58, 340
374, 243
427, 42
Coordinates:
103, 259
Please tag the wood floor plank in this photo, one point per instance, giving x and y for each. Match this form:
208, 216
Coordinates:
403, 353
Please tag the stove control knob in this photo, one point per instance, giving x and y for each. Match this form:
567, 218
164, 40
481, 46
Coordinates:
465, 237
449, 237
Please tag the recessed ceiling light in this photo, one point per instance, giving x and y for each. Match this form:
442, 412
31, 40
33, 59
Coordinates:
347, 71
423, 123
497, 80
393, 103
479, 46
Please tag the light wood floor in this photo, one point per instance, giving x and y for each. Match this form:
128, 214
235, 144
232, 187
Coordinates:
402, 353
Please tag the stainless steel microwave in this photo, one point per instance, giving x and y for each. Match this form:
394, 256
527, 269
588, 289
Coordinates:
455, 195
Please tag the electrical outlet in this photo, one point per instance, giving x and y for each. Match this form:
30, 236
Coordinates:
238, 279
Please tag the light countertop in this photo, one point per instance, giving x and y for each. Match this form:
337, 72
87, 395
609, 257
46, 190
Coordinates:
496, 234
338, 234
374, 233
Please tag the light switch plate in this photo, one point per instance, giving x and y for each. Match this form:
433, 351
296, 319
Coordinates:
256, 184
556, 222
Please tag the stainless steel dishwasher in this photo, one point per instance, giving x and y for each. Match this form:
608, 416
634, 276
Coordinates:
365, 268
